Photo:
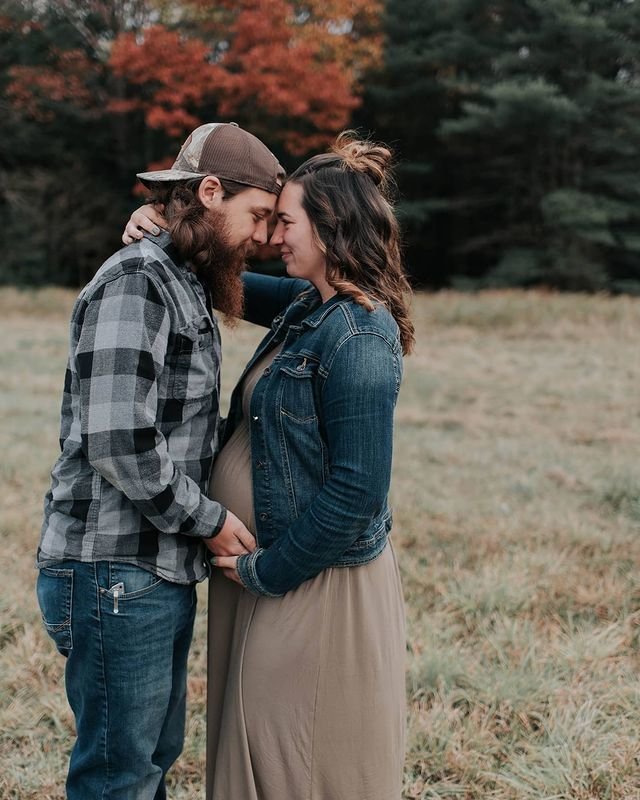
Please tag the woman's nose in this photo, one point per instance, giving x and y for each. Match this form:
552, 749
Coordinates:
276, 236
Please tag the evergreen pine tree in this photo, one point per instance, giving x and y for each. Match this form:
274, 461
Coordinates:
528, 116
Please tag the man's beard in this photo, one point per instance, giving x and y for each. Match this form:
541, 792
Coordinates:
222, 270
202, 238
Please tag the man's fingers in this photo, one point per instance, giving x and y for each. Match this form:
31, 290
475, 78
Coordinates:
247, 540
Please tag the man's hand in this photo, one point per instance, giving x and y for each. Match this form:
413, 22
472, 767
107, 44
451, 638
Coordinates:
233, 540
146, 218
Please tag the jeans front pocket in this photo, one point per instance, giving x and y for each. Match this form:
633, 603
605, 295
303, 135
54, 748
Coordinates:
135, 581
55, 597
124, 583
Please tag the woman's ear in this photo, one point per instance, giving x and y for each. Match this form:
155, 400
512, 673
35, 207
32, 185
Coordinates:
210, 192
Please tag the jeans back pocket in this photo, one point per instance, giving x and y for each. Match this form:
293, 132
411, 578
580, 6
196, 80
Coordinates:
55, 597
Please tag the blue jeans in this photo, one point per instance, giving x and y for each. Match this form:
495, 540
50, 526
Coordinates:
126, 635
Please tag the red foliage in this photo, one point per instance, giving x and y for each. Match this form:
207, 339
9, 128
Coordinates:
287, 76
174, 73
279, 77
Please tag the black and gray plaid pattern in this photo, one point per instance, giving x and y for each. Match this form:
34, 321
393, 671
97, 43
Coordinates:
140, 413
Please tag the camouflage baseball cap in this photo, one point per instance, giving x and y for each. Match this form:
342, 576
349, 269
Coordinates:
227, 151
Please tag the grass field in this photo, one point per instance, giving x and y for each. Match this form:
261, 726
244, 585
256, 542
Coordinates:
517, 519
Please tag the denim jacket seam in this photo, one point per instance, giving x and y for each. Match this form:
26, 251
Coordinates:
346, 337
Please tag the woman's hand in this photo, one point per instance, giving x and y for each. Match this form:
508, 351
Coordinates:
228, 566
146, 218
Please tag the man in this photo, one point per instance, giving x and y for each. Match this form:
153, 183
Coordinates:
126, 523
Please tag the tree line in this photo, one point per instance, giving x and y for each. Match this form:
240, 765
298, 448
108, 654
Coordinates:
516, 123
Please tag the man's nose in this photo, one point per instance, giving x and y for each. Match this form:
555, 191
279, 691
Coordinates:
260, 235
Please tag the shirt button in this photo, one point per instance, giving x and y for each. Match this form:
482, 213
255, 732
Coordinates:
264, 516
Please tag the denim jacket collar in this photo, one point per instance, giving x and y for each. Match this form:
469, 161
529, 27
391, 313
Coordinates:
310, 307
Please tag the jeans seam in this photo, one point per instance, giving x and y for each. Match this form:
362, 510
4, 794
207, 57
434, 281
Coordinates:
107, 786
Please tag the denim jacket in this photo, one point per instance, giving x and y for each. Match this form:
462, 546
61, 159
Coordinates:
321, 421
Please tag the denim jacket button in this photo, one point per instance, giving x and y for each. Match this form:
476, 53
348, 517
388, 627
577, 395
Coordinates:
255, 419
264, 516
259, 464
267, 371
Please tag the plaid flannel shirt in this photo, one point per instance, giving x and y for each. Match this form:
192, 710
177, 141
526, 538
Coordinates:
140, 414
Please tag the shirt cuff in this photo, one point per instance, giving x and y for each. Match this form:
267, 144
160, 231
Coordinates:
211, 519
246, 569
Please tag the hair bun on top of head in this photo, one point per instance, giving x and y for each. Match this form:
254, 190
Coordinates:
361, 155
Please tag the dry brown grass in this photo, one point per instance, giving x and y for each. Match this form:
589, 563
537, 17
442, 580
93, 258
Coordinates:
517, 513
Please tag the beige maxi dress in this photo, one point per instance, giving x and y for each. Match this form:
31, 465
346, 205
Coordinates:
306, 692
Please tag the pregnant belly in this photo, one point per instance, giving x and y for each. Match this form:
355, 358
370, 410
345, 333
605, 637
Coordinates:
231, 479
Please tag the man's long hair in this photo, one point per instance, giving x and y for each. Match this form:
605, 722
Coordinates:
201, 237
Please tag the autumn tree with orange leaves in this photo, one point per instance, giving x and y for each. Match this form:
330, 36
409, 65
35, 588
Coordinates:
100, 90
290, 76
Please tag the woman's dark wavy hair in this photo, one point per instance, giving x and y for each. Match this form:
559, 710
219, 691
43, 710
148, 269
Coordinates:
347, 196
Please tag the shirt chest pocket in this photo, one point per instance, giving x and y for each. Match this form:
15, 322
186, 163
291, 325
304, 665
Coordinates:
192, 363
297, 390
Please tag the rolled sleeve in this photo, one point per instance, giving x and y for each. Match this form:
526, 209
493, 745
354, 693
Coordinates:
246, 569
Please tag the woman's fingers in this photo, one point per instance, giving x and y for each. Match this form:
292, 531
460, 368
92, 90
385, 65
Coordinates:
225, 562
228, 566
232, 575
131, 233
149, 218
146, 218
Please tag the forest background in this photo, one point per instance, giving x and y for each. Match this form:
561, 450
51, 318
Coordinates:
516, 485
516, 123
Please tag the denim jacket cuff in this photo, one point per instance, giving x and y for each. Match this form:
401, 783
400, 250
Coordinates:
246, 569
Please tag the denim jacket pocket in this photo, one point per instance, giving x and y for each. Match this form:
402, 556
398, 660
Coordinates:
305, 457
192, 362
297, 390
55, 598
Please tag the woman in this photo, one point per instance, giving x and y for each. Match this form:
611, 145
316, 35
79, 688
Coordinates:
306, 649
